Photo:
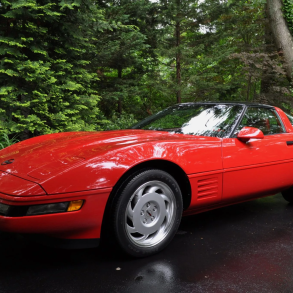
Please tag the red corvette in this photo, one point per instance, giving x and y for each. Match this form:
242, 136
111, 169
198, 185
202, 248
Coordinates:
136, 183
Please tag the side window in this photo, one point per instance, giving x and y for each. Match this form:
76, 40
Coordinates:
262, 118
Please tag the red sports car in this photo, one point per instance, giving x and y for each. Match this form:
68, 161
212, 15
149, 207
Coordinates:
137, 183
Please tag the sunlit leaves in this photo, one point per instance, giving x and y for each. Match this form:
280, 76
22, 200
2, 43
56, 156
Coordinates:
46, 51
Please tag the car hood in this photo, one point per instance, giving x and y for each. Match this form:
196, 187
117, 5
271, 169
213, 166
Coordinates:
41, 157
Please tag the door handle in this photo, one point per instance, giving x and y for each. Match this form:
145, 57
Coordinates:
289, 142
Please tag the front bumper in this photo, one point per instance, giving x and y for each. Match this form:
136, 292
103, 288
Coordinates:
82, 224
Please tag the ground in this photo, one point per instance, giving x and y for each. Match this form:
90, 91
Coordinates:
242, 248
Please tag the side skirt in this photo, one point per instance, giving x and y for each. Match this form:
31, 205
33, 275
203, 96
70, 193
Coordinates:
199, 210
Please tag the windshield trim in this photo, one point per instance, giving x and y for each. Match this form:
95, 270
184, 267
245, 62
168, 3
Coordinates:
231, 134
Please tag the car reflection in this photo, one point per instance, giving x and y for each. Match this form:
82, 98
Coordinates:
159, 273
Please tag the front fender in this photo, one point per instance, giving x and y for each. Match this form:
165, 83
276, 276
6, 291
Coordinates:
104, 170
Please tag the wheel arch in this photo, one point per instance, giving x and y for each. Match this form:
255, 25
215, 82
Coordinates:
171, 168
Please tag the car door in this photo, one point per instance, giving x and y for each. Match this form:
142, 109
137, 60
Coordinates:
260, 166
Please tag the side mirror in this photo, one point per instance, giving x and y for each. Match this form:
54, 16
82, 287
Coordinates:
247, 133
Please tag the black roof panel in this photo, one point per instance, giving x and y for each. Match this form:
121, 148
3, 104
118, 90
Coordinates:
231, 103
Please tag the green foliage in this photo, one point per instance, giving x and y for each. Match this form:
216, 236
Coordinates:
126, 54
122, 121
288, 13
94, 65
5, 141
45, 74
222, 49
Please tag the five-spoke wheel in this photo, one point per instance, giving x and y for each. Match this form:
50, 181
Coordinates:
147, 213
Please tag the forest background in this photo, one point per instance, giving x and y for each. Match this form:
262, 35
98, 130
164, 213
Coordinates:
100, 65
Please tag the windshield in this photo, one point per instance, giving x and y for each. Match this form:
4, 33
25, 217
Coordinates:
290, 118
196, 119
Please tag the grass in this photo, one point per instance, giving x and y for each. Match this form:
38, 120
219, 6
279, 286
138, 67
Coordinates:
5, 141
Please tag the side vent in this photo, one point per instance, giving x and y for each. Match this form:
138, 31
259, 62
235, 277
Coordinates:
207, 187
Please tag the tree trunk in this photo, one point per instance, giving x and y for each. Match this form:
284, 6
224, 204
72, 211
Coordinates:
248, 88
267, 79
254, 91
281, 34
178, 60
120, 98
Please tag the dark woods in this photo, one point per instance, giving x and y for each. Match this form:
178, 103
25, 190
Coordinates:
96, 65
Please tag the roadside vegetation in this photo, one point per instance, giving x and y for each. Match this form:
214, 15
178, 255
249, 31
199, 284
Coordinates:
102, 65
5, 141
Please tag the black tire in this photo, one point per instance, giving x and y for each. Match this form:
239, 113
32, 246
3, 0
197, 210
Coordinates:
139, 206
288, 194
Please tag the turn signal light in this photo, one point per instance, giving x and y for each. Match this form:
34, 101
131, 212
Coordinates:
75, 205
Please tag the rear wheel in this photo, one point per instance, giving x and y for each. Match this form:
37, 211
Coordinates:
147, 213
288, 194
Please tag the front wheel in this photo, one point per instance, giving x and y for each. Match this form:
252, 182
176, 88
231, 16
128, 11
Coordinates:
147, 213
288, 194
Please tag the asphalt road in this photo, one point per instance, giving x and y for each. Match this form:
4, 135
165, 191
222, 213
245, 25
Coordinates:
242, 248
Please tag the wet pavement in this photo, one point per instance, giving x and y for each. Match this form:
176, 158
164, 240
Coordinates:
242, 248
